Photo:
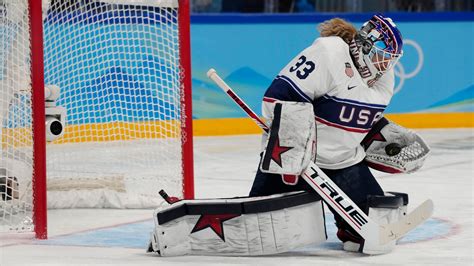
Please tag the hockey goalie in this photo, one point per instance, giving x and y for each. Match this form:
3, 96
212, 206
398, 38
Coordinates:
318, 110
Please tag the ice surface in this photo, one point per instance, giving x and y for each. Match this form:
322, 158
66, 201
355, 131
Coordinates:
224, 167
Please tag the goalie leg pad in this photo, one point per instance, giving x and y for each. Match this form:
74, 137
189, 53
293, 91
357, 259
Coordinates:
153, 245
384, 210
290, 145
239, 226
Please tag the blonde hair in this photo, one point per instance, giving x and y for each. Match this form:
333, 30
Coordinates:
338, 27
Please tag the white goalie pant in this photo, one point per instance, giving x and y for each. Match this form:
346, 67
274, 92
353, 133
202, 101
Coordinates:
239, 226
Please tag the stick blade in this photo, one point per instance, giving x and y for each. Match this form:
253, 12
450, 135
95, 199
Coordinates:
412, 220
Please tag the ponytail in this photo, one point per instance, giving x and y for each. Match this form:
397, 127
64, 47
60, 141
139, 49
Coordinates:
338, 27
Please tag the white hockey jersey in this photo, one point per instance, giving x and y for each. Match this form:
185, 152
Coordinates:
345, 108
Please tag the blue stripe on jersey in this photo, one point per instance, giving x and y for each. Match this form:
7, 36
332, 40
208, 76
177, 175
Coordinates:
295, 87
362, 104
282, 88
347, 114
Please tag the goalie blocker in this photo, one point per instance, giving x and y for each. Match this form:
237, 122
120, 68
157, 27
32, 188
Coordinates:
291, 142
239, 226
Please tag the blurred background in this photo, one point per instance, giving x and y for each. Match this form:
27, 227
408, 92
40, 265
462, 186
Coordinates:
300, 6
249, 41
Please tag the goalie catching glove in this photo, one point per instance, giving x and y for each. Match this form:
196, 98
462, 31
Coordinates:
291, 140
392, 148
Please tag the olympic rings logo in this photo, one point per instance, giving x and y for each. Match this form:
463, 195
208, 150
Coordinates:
400, 70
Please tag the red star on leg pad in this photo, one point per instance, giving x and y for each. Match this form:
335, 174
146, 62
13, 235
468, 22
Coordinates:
213, 221
277, 151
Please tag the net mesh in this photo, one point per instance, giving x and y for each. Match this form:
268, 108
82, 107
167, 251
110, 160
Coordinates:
117, 66
15, 114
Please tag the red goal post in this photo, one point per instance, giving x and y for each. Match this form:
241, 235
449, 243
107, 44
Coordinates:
124, 72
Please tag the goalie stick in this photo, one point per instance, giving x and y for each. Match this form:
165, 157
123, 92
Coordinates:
335, 197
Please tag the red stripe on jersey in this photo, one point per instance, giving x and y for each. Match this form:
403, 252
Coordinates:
269, 100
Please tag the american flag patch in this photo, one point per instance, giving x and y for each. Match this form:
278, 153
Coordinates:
349, 71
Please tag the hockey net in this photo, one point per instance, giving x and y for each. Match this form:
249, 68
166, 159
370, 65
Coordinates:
119, 67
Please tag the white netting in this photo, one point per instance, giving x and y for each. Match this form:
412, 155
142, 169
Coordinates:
117, 65
118, 69
16, 135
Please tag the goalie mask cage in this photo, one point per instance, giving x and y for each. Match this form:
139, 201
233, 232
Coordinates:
123, 69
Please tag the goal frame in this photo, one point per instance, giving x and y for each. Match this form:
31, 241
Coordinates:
39, 177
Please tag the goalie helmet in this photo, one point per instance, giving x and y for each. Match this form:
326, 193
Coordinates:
376, 48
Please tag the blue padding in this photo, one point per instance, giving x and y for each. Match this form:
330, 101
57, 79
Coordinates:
238, 18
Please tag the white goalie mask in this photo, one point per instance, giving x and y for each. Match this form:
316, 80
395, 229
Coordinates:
376, 48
